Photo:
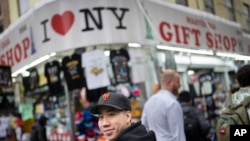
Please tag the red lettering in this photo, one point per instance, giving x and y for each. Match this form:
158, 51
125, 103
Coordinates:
226, 43
26, 45
234, 43
197, 34
2, 60
209, 40
176, 28
10, 57
167, 37
18, 53
185, 31
15, 54
218, 41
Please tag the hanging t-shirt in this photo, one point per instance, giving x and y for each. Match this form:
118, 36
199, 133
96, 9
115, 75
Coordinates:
73, 72
26, 110
95, 64
139, 69
5, 76
33, 79
94, 95
52, 73
7, 101
3, 129
119, 60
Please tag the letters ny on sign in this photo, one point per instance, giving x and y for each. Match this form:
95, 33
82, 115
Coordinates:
239, 132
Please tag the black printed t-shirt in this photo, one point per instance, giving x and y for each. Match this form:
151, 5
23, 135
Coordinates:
119, 60
52, 73
33, 79
73, 72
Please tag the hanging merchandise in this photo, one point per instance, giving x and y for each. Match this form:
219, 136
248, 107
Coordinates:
26, 110
5, 76
52, 72
73, 72
94, 94
4, 123
7, 102
95, 64
33, 79
119, 60
139, 69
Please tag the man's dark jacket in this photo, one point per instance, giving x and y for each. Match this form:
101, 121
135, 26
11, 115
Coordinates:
136, 132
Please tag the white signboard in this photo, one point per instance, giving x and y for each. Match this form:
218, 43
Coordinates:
178, 26
61, 25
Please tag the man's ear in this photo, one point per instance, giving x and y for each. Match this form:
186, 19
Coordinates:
129, 116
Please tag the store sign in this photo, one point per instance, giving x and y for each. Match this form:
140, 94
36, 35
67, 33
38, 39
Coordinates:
64, 25
53, 28
189, 29
85, 23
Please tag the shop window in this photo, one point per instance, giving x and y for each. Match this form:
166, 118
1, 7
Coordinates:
23, 6
182, 2
209, 6
247, 14
229, 5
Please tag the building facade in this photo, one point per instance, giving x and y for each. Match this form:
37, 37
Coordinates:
236, 11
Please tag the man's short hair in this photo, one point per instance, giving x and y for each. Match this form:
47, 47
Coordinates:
243, 76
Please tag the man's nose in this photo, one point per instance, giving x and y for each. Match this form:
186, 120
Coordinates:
105, 121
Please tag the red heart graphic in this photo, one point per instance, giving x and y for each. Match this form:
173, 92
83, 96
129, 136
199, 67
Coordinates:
62, 24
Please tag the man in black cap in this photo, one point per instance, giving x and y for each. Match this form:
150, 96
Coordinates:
114, 121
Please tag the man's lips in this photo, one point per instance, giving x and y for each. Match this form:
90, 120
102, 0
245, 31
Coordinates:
108, 131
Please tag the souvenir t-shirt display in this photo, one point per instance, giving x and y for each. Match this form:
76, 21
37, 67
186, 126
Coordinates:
119, 60
139, 71
7, 101
52, 73
5, 76
26, 110
33, 79
73, 71
4, 124
95, 69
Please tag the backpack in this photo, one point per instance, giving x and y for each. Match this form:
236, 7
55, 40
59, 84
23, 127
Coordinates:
191, 125
231, 116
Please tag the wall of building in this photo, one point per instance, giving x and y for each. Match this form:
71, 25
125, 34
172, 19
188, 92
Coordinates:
13, 10
32, 2
5, 13
243, 21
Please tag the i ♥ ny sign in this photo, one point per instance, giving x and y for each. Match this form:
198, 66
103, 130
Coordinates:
96, 20
62, 25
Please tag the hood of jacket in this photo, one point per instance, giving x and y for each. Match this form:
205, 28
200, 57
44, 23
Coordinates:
239, 96
136, 132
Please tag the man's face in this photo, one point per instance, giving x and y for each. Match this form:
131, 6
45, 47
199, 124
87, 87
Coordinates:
112, 122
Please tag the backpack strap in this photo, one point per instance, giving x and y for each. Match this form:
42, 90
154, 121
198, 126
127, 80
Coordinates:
246, 101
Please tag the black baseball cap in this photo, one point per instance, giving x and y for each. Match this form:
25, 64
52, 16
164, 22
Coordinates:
111, 99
